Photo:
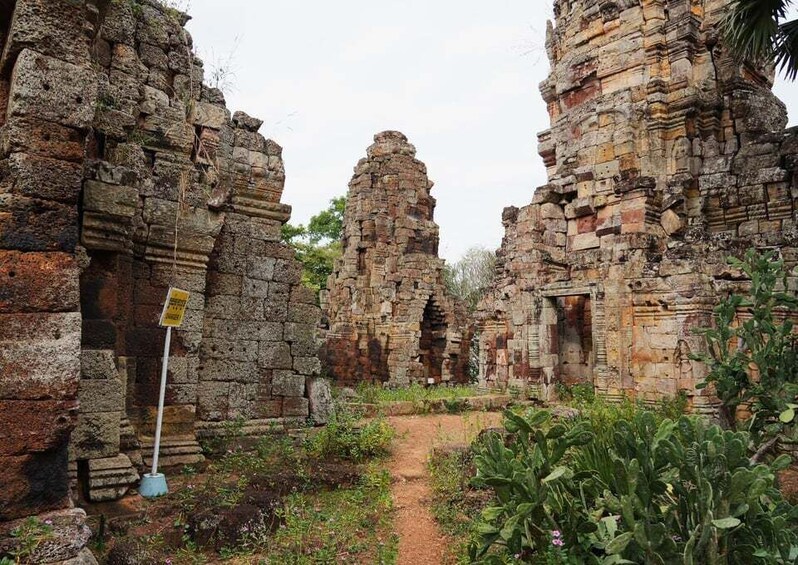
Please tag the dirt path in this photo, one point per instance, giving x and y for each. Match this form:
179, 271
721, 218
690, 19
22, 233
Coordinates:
420, 540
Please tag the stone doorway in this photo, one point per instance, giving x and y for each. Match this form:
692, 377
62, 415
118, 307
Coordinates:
570, 337
432, 345
574, 339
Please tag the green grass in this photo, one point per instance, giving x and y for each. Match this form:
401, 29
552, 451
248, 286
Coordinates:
583, 397
376, 394
455, 503
346, 437
346, 525
332, 492
341, 526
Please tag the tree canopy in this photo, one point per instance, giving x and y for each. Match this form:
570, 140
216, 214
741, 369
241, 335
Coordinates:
469, 277
318, 244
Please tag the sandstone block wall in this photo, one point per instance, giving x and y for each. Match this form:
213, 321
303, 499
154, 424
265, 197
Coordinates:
121, 174
46, 114
390, 318
664, 157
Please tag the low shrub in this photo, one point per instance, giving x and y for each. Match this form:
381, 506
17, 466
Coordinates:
455, 405
673, 407
581, 393
346, 436
641, 490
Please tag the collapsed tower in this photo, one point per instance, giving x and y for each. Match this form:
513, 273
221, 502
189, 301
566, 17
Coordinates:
664, 157
390, 318
122, 174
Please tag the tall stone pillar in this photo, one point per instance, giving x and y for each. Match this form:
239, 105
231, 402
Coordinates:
259, 352
48, 91
119, 170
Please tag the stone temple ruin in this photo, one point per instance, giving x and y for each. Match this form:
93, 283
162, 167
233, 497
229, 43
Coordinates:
390, 318
122, 175
664, 157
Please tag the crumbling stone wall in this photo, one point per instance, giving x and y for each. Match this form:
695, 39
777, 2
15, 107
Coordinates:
121, 174
390, 318
664, 157
259, 345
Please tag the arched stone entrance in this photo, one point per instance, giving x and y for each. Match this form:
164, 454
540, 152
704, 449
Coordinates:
432, 344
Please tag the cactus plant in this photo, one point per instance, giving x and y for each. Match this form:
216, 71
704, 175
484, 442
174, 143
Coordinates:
680, 491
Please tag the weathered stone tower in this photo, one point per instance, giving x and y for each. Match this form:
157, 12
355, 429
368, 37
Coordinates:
664, 157
390, 319
121, 174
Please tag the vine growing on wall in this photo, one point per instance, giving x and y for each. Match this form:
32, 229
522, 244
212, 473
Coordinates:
178, 5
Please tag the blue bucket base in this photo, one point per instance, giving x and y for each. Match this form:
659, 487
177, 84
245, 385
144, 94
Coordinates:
153, 486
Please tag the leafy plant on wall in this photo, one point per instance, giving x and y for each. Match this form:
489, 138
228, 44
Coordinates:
752, 350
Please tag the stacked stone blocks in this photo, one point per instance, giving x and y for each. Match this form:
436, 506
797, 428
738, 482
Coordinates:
121, 175
390, 317
664, 157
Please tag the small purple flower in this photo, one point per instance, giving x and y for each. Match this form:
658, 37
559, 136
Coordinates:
48, 522
556, 534
168, 561
558, 542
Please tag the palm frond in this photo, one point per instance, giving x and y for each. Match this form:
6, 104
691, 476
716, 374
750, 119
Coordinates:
755, 30
751, 27
786, 50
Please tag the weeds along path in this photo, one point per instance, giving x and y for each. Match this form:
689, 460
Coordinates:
420, 540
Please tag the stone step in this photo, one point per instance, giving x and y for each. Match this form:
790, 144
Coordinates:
175, 452
111, 478
211, 430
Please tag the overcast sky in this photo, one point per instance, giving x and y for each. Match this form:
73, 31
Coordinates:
458, 77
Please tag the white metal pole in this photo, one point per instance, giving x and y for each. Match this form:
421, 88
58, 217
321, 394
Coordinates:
161, 397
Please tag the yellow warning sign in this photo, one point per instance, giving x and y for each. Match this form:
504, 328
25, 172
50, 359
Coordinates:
174, 309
